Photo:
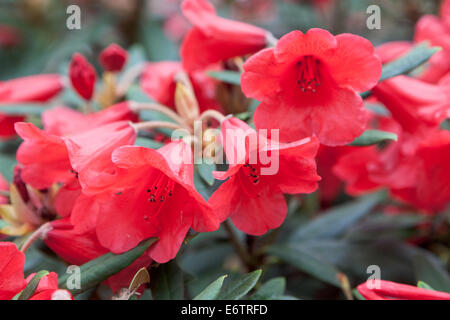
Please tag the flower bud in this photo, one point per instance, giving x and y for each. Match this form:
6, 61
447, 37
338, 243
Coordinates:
82, 76
113, 58
185, 103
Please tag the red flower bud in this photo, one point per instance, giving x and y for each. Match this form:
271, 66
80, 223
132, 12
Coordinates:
113, 58
82, 76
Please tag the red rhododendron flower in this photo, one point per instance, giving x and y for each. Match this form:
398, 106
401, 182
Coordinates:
214, 39
36, 88
154, 197
45, 157
308, 85
113, 58
79, 249
82, 76
11, 270
431, 190
158, 81
251, 198
7, 122
64, 121
12, 276
435, 31
416, 105
395, 291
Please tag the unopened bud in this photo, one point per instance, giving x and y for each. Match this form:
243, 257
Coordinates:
186, 103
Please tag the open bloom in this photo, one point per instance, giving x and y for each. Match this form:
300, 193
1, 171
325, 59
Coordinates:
45, 157
258, 175
396, 291
309, 83
12, 280
154, 196
214, 39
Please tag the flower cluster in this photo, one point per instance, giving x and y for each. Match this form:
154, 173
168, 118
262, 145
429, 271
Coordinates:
88, 186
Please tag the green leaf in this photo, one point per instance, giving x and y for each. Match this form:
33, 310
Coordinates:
148, 143
240, 287
424, 285
337, 220
31, 287
205, 170
97, 270
306, 262
167, 282
212, 291
429, 269
28, 109
232, 77
357, 295
271, 289
413, 59
371, 137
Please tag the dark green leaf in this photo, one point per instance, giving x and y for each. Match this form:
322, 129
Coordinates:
97, 270
306, 262
212, 291
205, 170
240, 287
232, 77
429, 269
371, 137
31, 287
337, 220
167, 282
271, 289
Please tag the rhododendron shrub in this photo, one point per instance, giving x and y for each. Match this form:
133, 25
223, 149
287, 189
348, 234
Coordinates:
277, 142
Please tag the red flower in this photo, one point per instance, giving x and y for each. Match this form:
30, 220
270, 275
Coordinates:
214, 39
416, 105
436, 31
12, 277
7, 122
308, 85
82, 76
253, 195
113, 58
158, 81
154, 197
395, 291
11, 270
62, 121
430, 191
79, 249
37, 88
9, 36
45, 157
